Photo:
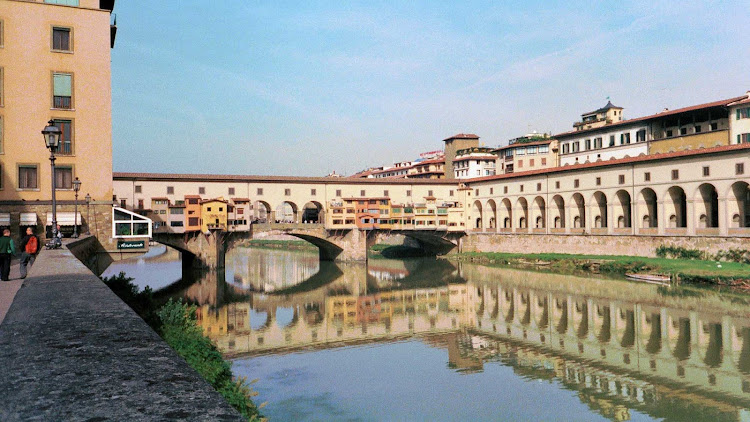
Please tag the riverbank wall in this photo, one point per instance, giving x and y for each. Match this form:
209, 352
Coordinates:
644, 246
72, 350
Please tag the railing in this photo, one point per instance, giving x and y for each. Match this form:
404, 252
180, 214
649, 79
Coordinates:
62, 102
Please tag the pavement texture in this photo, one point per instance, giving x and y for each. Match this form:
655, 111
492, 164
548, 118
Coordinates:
71, 350
8, 289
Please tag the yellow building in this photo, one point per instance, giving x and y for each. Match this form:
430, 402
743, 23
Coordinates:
55, 65
213, 214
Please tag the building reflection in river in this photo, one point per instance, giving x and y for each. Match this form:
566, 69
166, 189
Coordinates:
620, 345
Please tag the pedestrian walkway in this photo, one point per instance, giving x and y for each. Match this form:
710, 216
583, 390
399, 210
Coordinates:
71, 350
8, 289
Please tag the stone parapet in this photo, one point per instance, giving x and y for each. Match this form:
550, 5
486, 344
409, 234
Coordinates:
71, 350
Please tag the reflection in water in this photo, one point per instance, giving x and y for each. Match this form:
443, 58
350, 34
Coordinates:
626, 349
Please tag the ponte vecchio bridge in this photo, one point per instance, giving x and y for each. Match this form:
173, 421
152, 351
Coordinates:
693, 198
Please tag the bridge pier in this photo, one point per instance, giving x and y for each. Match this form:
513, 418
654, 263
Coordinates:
201, 250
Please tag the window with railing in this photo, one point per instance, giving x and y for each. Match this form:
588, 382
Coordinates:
66, 136
62, 87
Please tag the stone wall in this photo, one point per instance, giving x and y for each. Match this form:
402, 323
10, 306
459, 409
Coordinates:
594, 244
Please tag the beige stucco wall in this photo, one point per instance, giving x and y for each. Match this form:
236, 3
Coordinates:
28, 62
699, 140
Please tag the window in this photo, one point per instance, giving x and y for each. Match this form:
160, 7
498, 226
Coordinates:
362, 192
192, 201
1, 176
647, 176
123, 203
597, 143
624, 138
429, 193
63, 177
697, 128
138, 189
177, 210
743, 138
521, 188
611, 140
170, 190
1, 134
588, 144
543, 149
287, 192
520, 151
129, 224
505, 189
739, 168
201, 190
140, 204
28, 176
675, 174
208, 209
2, 90
743, 113
538, 187
640, 136
706, 171
313, 192
193, 221
576, 146
576, 183
231, 191
520, 163
683, 131
476, 192
66, 136
62, 90
408, 193
532, 150
669, 133
557, 184
531, 163
621, 179
176, 223
61, 39
260, 191
338, 193
565, 148
450, 192
714, 126
2, 32
544, 161
65, 2
492, 191
598, 181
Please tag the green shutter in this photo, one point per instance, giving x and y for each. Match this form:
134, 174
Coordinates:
62, 85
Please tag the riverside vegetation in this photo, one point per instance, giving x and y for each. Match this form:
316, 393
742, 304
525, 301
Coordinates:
727, 268
176, 323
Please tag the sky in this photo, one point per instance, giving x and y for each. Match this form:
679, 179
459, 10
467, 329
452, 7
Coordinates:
307, 88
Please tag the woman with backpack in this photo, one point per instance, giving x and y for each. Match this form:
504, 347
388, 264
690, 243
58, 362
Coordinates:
29, 249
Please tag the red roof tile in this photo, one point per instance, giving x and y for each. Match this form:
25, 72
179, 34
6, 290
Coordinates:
268, 179
523, 144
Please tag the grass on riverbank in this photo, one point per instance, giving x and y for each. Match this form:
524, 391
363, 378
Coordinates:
176, 323
686, 270
280, 244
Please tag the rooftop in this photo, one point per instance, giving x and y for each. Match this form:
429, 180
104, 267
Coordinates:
603, 109
462, 136
720, 103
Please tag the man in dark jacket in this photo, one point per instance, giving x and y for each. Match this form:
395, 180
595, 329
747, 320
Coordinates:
7, 250
29, 250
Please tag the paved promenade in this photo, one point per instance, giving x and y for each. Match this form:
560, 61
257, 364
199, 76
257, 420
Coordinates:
71, 350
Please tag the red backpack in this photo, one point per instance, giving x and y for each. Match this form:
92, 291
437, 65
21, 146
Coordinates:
31, 245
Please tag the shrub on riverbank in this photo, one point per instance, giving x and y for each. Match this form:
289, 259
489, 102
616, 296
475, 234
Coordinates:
176, 323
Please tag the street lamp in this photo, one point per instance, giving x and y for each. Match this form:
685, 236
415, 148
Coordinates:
76, 188
88, 220
52, 141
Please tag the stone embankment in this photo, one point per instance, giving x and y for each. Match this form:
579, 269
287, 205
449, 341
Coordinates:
71, 350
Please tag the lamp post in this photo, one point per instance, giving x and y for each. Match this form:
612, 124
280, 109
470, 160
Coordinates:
52, 141
76, 188
88, 220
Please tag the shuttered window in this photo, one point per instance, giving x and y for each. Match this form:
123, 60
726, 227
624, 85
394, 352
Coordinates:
62, 90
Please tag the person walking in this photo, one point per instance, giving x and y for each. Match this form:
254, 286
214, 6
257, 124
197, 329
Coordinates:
7, 250
29, 248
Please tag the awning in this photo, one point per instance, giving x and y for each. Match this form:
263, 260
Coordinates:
28, 219
4, 219
64, 218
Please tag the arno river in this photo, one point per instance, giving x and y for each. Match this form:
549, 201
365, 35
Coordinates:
427, 339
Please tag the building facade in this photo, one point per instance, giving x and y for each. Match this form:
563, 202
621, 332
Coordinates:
474, 162
55, 65
453, 145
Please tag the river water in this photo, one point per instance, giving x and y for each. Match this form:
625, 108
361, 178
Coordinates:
428, 339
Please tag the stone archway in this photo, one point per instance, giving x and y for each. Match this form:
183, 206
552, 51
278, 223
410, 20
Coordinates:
623, 213
647, 209
707, 206
313, 212
558, 212
675, 208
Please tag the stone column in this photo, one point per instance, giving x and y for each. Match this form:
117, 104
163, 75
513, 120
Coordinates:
691, 222
724, 220
661, 217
